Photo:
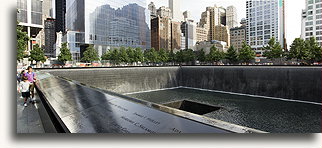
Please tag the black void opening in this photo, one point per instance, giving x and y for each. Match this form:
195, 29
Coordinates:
192, 107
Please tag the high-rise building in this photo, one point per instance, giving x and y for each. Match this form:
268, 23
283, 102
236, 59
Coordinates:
188, 28
60, 12
202, 34
164, 12
50, 40
175, 35
161, 33
108, 24
212, 17
222, 33
238, 37
165, 34
174, 5
312, 20
231, 17
265, 19
205, 23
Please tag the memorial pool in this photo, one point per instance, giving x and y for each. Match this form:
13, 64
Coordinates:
275, 116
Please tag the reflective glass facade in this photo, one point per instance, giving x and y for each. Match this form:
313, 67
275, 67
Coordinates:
110, 23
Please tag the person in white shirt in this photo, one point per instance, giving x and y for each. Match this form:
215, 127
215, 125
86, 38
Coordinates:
24, 89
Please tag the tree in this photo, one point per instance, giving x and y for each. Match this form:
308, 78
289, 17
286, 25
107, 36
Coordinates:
114, 56
179, 56
163, 55
298, 50
90, 55
22, 43
273, 50
131, 55
138, 55
215, 55
314, 49
123, 55
107, 55
232, 54
37, 54
201, 55
151, 56
188, 55
246, 54
65, 54
172, 56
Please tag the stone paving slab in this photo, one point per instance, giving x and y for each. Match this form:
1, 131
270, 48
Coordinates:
28, 119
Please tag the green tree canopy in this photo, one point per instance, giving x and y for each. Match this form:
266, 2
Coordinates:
131, 54
65, 54
163, 55
273, 50
90, 55
107, 55
232, 54
37, 54
172, 56
115, 56
246, 54
179, 56
138, 55
188, 55
123, 55
314, 49
201, 55
151, 56
298, 50
215, 55
22, 43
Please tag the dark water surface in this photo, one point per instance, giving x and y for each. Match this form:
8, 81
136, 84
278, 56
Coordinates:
269, 115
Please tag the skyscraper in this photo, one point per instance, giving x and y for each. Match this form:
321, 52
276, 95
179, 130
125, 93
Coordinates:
153, 10
107, 24
265, 19
177, 15
238, 35
212, 17
165, 34
189, 31
312, 20
60, 12
50, 40
231, 17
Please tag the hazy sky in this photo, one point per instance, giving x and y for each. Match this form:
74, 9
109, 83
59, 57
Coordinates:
293, 12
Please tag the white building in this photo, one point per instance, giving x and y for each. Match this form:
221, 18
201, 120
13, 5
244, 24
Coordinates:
206, 46
265, 19
231, 17
59, 41
312, 20
177, 15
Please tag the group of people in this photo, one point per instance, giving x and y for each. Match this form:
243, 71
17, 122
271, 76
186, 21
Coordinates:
26, 80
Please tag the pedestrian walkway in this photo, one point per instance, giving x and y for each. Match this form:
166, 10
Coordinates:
28, 119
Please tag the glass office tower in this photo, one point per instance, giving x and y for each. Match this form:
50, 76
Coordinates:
107, 24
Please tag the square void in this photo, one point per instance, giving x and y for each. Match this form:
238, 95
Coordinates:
192, 107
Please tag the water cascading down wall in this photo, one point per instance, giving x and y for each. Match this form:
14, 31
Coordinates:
296, 83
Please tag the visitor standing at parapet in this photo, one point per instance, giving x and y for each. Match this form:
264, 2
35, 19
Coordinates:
31, 78
24, 89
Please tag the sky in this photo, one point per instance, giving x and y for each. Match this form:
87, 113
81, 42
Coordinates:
293, 10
